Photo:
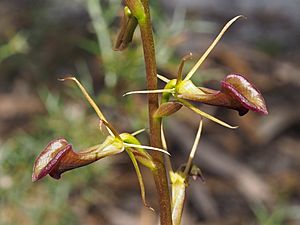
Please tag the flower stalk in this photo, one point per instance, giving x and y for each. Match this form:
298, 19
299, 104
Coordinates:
160, 176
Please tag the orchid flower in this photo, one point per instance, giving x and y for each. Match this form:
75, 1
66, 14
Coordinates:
59, 156
236, 91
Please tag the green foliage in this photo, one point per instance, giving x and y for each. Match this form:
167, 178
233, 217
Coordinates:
265, 217
17, 44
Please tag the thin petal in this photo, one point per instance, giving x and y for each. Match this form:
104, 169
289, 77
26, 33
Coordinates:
138, 132
149, 92
211, 47
140, 179
162, 78
109, 127
206, 115
147, 147
193, 150
217, 98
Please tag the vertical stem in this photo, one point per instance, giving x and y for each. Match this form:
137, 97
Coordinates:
154, 124
160, 176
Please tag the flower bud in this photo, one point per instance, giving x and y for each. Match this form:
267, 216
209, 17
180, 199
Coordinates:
128, 26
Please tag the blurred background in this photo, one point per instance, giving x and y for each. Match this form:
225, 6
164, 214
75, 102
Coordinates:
251, 173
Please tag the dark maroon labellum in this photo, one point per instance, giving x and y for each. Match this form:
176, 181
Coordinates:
241, 89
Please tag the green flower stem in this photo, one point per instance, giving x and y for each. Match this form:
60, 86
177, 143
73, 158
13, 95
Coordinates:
160, 176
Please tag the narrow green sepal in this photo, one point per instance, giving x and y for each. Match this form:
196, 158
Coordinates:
140, 178
204, 114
